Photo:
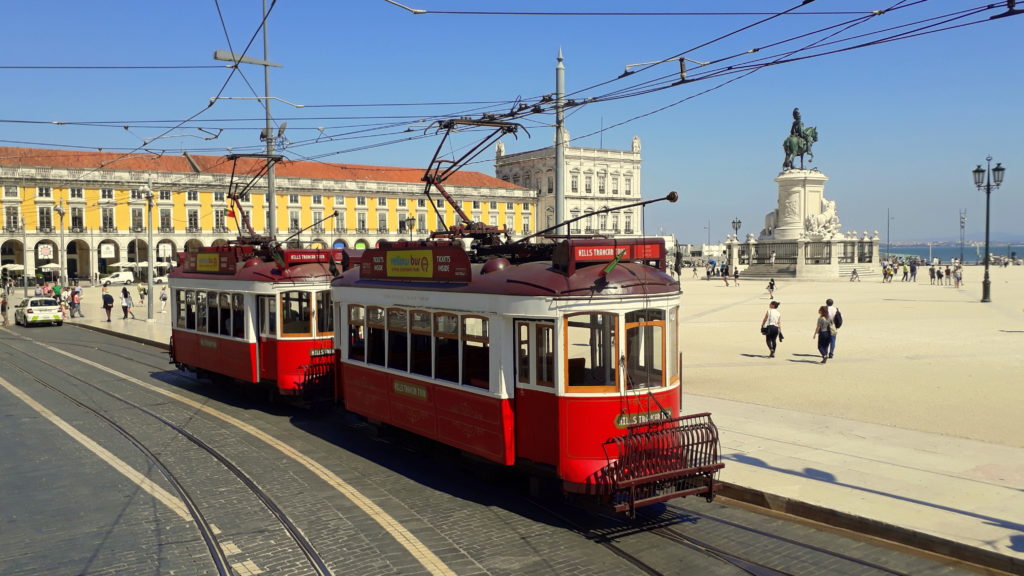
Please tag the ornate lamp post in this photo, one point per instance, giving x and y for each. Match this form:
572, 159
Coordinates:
986, 179
963, 224
736, 223
410, 222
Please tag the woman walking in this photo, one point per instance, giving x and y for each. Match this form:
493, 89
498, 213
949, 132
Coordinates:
771, 289
823, 332
771, 327
126, 303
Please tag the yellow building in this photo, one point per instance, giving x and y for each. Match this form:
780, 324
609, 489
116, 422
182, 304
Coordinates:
94, 207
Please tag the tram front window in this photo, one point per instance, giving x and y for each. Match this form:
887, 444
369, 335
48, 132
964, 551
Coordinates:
590, 350
295, 314
645, 349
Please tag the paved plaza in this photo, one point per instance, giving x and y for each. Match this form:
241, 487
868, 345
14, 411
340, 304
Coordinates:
913, 431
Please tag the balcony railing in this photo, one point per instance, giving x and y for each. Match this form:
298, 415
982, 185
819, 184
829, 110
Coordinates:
45, 230
12, 229
108, 229
167, 229
221, 229
382, 230
629, 231
193, 230
138, 229
317, 229
362, 231
294, 229
79, 230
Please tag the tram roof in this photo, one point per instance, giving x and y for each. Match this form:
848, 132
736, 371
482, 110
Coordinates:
533, 279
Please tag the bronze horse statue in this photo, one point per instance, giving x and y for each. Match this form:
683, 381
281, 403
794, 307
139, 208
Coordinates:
798, 146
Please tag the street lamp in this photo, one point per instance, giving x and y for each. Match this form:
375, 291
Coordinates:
736, 223
986, 180
888, 244
409, 223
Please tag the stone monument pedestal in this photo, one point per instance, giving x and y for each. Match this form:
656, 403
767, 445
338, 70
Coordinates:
800, 197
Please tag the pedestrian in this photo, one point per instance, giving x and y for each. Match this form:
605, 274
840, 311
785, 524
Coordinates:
163, 299
771, 259
695, 270
725, 274
835, 318
142, 292
771, 327
854, 277
913, 271
931, 274
736, 275
3, 310
76, 302
108, 302
126, 303
771, 288
949, 279
823, 332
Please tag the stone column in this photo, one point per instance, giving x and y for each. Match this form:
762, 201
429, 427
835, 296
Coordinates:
800, 194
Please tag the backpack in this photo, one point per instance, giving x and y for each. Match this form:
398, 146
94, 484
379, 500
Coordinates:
838, 320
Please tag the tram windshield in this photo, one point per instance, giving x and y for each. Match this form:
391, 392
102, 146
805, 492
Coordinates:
645, 349
590, 351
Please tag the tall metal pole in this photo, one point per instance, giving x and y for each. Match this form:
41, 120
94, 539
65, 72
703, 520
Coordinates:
963, 222
24, 254
149, 253
271, 194
62, 251
560, 143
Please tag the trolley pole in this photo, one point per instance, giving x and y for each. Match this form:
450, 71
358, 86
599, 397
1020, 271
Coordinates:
149, 252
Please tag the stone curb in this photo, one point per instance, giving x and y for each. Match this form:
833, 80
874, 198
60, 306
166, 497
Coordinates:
874, 528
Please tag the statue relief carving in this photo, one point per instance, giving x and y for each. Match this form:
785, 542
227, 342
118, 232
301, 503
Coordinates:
500, 148
792, 208
636, 144
826, 223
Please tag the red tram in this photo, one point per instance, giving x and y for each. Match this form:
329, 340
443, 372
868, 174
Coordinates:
257, 315
569, 366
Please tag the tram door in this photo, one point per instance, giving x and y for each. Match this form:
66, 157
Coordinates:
536, 401
266, 342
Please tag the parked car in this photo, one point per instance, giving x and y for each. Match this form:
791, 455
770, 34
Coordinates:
38, 310
121, 277
160, 279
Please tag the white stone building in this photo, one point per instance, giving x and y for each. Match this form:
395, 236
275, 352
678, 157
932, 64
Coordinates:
595, 179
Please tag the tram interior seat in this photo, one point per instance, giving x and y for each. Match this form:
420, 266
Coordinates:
577, 371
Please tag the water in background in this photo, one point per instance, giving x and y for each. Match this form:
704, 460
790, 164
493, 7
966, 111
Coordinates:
946, 253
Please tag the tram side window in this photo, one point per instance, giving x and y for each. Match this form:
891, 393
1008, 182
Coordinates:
295, 317
419, 349
590, 349
190, 310
268, 316
375, 329
225, 314
398, 339
237, 316
476, 352
179, 308
212, 312
200, 310
672, 341
324, 313
446, 347
523, 352
645, 349
545, 355
356, 333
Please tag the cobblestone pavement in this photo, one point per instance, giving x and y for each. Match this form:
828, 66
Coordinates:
66, 511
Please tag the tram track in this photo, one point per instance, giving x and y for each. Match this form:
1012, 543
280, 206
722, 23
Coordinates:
217, 552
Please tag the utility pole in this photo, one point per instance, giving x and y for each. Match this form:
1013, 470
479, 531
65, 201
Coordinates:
149, 252
268, 133
560, 143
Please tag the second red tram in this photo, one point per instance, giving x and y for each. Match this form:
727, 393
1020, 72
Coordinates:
257, 318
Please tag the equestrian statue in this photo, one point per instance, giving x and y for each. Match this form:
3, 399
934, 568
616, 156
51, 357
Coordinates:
799, 142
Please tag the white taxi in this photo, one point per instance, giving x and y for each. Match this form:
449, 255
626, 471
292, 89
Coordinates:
38, 310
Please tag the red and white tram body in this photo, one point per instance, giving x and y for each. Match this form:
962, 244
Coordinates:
569, 365
240, 315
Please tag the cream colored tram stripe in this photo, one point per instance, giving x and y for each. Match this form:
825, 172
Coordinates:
172, 501
423, 554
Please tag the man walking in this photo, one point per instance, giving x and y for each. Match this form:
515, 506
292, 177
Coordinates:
108, 302
832, 311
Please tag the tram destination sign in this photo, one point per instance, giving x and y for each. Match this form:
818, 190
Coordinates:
569, 255
428, 264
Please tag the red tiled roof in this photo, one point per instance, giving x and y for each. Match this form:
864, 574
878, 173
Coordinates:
76, 159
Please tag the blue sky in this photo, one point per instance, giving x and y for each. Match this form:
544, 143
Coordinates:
902, 123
